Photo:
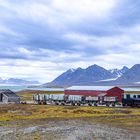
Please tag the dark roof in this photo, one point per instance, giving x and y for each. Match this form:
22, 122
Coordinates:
8, 93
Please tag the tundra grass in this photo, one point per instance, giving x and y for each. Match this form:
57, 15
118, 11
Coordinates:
127, 117
21, 115
132, 92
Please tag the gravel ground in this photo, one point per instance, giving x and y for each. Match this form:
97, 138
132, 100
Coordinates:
68, 130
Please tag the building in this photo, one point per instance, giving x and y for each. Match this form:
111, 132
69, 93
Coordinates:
99, 91
7, 96
132, 92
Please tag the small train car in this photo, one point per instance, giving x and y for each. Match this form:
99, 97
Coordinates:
131, 100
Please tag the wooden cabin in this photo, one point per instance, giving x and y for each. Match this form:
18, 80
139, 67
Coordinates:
8, 96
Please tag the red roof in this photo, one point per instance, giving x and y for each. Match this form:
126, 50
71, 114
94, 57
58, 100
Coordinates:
85, 92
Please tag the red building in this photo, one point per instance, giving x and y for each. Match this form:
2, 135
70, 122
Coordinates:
95, 91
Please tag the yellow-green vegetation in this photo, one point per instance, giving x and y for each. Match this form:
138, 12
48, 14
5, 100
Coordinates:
127, 117
22, 115
27, 95
132, 92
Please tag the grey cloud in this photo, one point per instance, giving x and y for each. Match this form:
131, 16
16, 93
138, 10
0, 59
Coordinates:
44, 36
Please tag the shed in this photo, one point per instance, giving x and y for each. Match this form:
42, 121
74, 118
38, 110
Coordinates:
8, 96
95, 91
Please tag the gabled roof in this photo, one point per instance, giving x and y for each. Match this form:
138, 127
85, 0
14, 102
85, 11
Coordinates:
8, 93
115, 88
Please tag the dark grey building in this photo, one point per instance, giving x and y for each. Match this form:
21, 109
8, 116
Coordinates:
7, 96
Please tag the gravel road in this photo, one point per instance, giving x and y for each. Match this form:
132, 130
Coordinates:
68, 130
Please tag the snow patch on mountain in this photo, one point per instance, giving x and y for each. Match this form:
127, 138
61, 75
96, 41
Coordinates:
112, 79
119, 72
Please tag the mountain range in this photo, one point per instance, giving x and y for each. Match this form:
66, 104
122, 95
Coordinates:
97, 75
16, 81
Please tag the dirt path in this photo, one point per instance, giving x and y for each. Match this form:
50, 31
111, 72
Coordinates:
68, 130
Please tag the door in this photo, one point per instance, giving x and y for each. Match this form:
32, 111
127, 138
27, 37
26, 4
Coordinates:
1, 96
101, 99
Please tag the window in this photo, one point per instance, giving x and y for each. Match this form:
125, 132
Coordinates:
134, 96
128, 96
138, 96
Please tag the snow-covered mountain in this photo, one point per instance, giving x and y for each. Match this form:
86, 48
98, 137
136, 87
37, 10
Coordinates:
96, 75
119, 72
16, 81
79, 76
131, 76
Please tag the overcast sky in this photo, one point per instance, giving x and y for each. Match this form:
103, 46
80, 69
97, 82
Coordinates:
40, 39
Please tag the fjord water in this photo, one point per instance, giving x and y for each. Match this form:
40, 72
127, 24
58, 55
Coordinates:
19, 88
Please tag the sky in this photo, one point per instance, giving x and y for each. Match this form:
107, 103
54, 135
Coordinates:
40, 39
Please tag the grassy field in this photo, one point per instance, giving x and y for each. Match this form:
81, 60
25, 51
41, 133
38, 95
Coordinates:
124, 117
46, 118
133, 92
45, 122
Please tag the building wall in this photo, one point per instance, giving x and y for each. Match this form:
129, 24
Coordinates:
14, 100
4, 98
137, 95
116, 92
